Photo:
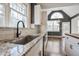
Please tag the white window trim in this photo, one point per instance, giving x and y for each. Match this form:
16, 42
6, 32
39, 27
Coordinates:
3, 25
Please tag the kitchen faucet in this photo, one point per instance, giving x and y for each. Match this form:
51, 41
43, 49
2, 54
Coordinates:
17, 34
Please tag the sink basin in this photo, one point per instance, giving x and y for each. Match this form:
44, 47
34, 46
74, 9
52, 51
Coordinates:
25, 40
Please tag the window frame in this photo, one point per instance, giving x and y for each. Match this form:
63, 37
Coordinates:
3, 15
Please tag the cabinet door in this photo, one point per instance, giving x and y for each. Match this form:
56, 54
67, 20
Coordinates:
72, 46
75, 47
37, 15
35, 49
67, 46
76, 50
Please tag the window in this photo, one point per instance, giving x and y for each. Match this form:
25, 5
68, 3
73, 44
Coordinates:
53, 26
56, 15
18, 12
2, 15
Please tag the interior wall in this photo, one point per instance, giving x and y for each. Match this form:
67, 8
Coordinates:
75, 25
70, 10
54, 5
43, 21
65, 28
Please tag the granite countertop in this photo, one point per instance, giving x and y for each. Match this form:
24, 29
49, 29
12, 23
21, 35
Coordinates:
73, 35
7, 49
10, 49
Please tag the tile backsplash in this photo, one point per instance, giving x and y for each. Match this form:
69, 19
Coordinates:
10, 33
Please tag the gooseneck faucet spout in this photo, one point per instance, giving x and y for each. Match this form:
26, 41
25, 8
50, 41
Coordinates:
17, 34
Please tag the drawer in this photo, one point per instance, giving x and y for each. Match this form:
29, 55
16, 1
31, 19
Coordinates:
68, 39
76, 50
72, 46
72, 40
68, 49
75, 40
68, 45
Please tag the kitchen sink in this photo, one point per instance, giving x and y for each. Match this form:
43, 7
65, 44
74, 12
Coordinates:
25, 40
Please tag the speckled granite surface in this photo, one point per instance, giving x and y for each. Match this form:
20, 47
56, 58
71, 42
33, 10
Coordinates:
6, 49
11, 49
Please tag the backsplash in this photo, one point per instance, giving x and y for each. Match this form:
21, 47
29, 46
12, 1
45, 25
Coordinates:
10, 33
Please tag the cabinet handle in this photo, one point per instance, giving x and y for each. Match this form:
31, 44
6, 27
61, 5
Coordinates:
78, 43
67, 38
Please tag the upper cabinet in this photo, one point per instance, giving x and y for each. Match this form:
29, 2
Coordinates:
37, 15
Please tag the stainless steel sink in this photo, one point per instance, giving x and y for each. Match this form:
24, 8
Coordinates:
25, 40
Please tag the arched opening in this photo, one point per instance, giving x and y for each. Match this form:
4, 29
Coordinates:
54, 23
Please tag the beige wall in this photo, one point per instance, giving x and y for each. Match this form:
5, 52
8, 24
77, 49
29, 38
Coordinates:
75, 25
43, 21
10, 33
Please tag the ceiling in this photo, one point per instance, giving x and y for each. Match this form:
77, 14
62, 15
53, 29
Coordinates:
54, 5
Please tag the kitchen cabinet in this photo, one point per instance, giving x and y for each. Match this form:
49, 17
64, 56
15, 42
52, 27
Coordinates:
37, 14
36, 49
45, 40
67, 46
72, 46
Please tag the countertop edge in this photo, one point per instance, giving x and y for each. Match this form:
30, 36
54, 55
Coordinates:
72, 35
35, 43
